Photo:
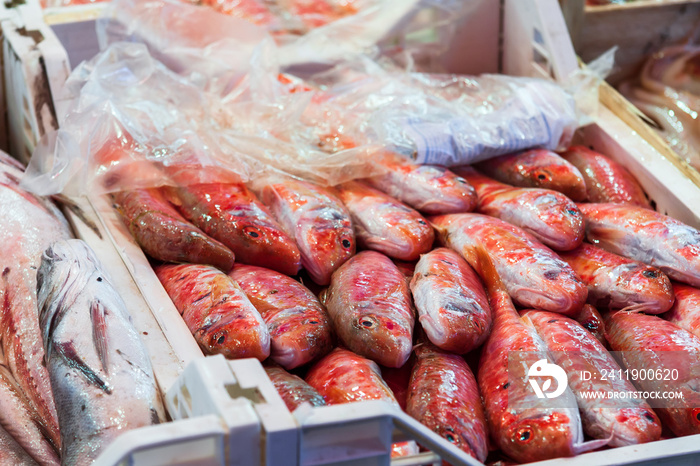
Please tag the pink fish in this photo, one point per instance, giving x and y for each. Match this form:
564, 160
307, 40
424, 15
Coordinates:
217, 312
444, 396
615, 282
384, 224
293, 390
451, 302
646, 236
649, 342
232, 214
524, 428
537, 168
317, 220
343, 377
576, 351
548, 215
370, 305
686, 309
164, 234
533, 274
606, 180
430, 189
300, 329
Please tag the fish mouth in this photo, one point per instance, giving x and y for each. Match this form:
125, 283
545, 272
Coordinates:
436, 333
559, 301
287, 356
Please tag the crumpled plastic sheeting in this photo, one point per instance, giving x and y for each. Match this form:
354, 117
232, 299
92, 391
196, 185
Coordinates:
133, 124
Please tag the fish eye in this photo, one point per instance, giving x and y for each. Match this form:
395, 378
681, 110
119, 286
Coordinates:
572, 211
251, 231
367, 322
421, 221
219, 338
450, 438
346, 243
312, 322
524, 435
459, 179
696, 415
650, 273
591, 325
650, 418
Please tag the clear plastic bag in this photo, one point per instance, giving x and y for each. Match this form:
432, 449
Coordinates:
133, 124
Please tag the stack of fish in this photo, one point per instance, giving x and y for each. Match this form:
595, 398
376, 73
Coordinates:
63, 401
455, 250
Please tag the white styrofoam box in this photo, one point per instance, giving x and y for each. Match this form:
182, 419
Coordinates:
228, 411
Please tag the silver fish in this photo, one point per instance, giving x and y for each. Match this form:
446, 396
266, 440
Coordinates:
100, 372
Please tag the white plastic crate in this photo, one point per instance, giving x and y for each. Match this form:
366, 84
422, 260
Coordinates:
227, 412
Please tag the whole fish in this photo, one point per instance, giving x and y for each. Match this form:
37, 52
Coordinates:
575, 350
606, 180
615, 282
22, 424
370, 305
451, 302
686, 309
649, 342
343, 377
384, 224
646, 236
430, 189
29, 225
548, 215
300, 329
591, 320
232, 214
533, 274
292, 389
537, 168
525, 428
444, 396
12, 453
100, 372
317, 220
164, 234
216, 311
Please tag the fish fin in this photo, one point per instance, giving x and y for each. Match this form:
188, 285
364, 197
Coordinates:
608, 235
480, 260
591, 445
635, 308
99, 333
67, 351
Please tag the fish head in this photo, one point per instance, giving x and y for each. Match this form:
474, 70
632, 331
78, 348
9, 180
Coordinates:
549, 435
265, 244
383, 338
234, 338
635, 426
566, 227
546, 169
296, 341
560, 291
651, 285
326, 245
